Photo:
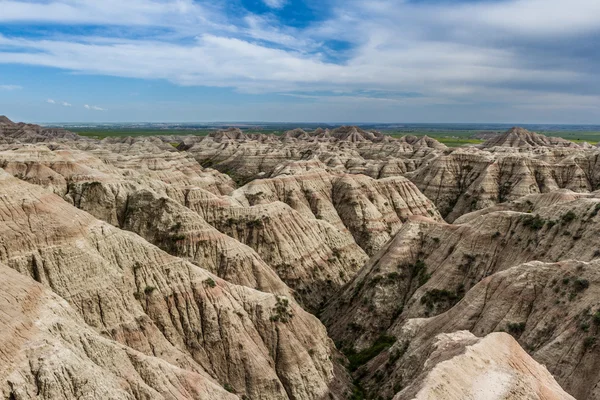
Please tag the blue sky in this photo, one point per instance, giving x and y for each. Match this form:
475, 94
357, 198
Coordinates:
513, 61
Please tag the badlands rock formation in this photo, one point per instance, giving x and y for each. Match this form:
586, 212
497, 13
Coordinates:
130, 292
225, 266
524, 139
462, 366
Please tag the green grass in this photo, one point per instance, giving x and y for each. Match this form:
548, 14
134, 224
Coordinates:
592, 137
103, 133
451, 138
452, 142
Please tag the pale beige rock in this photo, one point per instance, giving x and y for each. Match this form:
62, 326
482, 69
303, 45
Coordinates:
131, 292
403, 280
522, 138
48, 352
463, 366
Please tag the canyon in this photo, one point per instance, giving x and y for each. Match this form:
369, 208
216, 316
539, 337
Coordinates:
321, 264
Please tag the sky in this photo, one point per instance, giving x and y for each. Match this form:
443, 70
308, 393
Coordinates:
505, 61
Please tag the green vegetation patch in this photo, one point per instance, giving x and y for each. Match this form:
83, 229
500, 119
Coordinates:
356, 360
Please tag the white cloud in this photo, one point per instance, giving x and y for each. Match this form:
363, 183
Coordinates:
64, 103
275, 3
10, 87
96, 108
111, 12
448, 53
50, 101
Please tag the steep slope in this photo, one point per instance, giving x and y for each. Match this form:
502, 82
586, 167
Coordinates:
371, 210
522, 138
48, 352
429, 266
131, 188
127, 196
549, 308
311, 256
462, 366
471, 179
129, 291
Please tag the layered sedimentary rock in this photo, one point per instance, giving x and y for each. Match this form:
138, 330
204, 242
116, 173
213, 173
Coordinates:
182, 266
372, 210
522, 138
132, 293
11, 132
429, 266
170, 200
549, 308
462, 366
49, 352
470, 179
346, 149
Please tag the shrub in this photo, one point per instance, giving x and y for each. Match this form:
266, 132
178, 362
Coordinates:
581, 284
177, 237
534, 223
568, 217
256, 223
210, 282
589, 342
282, 311
229, 388
516, 328
399, 352
435, 296
149, 289
596, 318
357, 359
419, 270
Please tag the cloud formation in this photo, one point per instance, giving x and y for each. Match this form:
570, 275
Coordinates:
517, 52
50, 101
275, 3
95, 108
10, 87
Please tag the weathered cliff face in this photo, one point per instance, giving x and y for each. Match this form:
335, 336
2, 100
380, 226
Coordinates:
349, 150
132, 293
311, 256
468, 180
523, 139
49, 352
429, 266
371, 210
549, 308
11, 132
462, 366
166, 197
125, 198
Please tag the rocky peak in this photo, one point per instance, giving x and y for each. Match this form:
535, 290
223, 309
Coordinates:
356, 134
423, 141
229, 133
297, 133
522, 138
5, 121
